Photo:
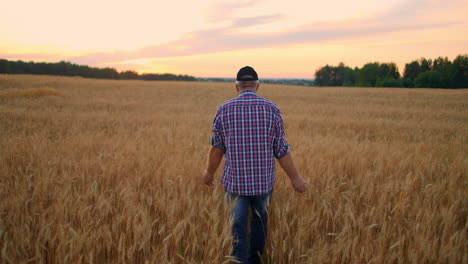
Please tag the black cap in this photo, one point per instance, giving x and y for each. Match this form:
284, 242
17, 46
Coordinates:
247, 74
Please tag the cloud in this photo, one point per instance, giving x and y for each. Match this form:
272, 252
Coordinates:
224, 10
252, 21
233, 36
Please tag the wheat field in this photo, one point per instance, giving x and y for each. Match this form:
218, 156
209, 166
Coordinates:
105, 171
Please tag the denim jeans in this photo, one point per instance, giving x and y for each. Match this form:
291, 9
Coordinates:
258, 225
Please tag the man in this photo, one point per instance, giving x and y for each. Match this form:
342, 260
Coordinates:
248, 131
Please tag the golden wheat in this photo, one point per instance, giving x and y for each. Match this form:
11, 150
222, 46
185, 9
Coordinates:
109, 172
29, 93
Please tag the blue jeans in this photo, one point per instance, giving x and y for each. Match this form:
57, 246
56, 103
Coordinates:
258, 225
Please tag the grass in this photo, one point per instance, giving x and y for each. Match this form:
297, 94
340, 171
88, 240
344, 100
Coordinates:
110, 172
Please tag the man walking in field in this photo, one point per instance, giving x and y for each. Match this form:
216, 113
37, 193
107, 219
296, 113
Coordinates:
248, 131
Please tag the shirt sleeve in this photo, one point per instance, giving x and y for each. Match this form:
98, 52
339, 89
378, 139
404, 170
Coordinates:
217, 139
280, 145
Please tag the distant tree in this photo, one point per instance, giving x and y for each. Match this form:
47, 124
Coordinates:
340, 75
412, 70
165, 76
441, 64
390, 82
460, 71
407, 82
425, 65
128, 75
18, 67
368, 75
4, 66
186, 77
384, 71
323, 76
431, 79
388, 76
70, 69
393, 72
108, 73
349, 77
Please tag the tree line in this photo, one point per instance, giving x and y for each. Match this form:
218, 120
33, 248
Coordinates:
424, 73
290, 81
69, 69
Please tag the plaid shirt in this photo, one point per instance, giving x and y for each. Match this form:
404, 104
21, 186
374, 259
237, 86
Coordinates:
249, 129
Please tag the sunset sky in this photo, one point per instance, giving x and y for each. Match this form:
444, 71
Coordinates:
209, 38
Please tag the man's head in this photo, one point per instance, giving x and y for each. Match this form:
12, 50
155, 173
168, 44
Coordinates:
247, 79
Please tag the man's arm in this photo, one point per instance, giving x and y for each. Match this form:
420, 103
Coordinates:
215, 155
288, 166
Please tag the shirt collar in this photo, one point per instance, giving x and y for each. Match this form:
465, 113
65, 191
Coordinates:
245, 92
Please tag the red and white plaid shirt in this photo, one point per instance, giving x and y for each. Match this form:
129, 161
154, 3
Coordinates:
250, 131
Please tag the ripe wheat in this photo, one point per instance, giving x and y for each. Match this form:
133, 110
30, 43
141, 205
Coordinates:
102, 171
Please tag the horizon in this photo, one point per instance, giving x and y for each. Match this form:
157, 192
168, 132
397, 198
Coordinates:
216, 38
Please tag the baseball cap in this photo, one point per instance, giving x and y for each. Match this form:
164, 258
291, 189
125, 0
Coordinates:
247, 73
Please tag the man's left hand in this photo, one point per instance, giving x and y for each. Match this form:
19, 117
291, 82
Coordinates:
208, 178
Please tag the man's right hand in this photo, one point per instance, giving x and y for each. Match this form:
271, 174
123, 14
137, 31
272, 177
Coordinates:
288, 166
299, 184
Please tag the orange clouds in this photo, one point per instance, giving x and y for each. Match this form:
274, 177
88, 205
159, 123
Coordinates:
288, 40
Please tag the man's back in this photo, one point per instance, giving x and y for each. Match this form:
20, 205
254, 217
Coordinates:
249, 129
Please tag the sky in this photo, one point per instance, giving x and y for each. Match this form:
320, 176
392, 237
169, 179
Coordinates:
214, 38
